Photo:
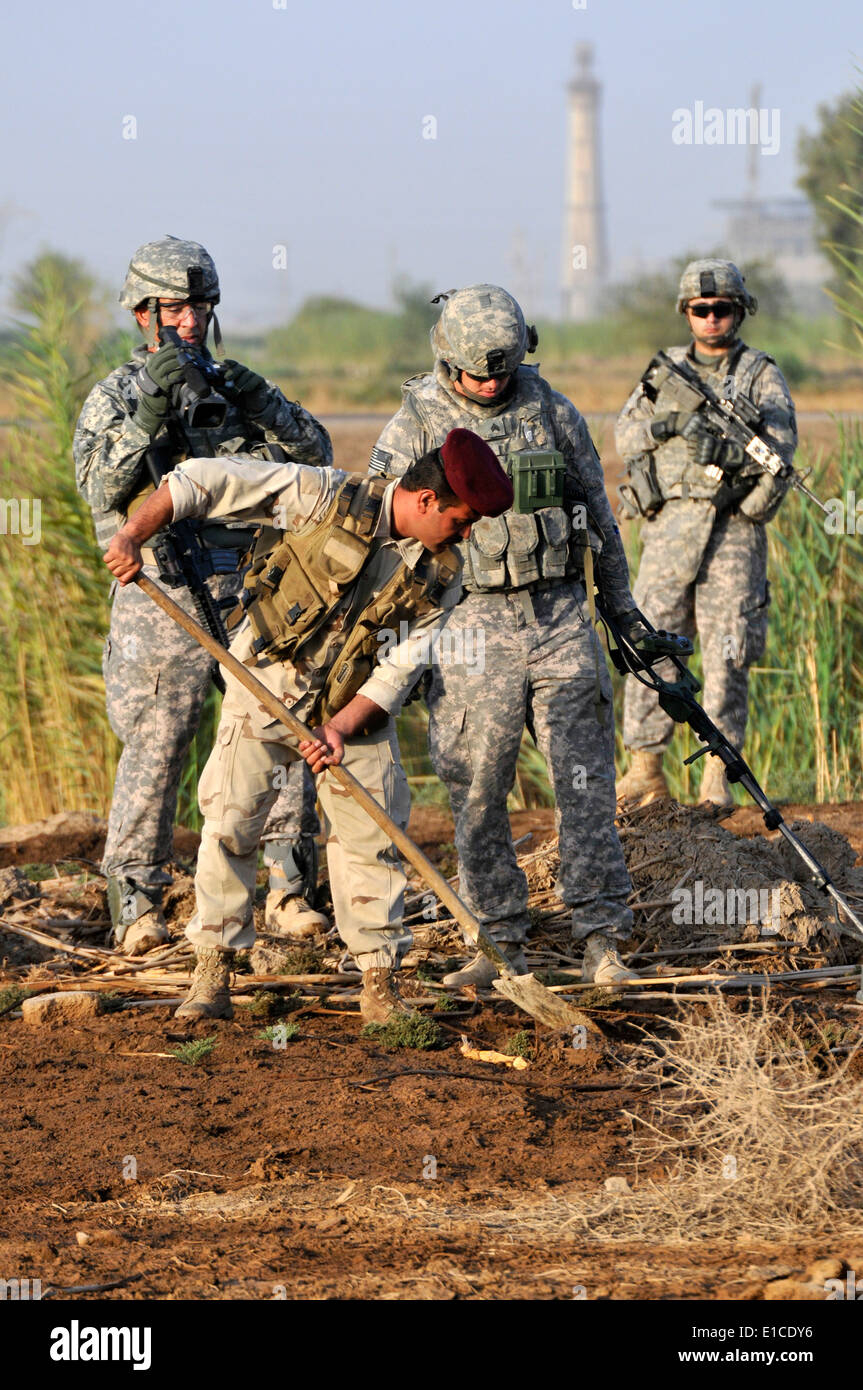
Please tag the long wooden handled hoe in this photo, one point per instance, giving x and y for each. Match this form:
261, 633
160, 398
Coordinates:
523, 990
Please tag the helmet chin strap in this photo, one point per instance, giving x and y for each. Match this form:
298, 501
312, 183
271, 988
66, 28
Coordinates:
482, 400
154, 323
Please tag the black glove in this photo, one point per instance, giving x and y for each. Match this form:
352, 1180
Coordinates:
652, 644
706, 446
156, 381
252, 389
669, 425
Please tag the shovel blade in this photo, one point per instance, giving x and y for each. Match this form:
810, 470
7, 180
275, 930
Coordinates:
528, 994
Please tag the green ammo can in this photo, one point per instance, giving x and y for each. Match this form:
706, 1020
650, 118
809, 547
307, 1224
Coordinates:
537, 479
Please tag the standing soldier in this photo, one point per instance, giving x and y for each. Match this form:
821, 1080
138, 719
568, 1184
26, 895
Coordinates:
526, 603
156, 676
705, 506
351, 579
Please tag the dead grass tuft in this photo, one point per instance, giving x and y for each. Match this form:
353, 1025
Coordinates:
754, 1132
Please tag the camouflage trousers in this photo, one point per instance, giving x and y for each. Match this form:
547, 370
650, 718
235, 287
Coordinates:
156, 680
236, 792
548, 673
726, 603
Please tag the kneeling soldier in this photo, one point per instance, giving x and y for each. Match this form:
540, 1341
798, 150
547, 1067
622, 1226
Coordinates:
350, 580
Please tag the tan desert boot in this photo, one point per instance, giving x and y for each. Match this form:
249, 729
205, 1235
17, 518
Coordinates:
602, 964
145, 934
380, 998
645, 781
714, 783
292, 916
480, 972
210, 995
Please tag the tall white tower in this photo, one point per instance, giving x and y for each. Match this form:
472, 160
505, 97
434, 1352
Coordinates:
584, 251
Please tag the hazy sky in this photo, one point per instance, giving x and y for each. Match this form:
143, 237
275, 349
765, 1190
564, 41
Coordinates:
261, 123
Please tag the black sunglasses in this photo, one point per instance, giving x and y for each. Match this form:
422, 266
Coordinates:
720, 310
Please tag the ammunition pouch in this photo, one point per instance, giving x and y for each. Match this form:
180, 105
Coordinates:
640, 495
529, 543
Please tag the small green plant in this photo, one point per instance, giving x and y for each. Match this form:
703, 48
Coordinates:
11, 997
553, 977
520, 1045
279, 1033
301, 960
405, 1030
598, 998
267, 1004
424, 973
191, 1053
444, 1003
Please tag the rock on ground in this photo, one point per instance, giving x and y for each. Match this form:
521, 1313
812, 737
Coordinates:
72, 1006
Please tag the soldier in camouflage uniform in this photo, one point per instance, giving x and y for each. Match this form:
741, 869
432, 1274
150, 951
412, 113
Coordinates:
156, 676
350, 582
525, 605
704, 540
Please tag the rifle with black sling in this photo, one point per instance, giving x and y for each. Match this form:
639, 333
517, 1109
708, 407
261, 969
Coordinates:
732, 416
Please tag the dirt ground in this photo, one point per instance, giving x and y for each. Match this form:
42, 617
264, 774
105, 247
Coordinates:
333, 1167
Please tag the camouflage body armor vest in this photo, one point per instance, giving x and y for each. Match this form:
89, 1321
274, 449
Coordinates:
677, 474
530, 544
296, 583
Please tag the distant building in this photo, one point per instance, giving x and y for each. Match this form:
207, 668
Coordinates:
584, 262
780, 231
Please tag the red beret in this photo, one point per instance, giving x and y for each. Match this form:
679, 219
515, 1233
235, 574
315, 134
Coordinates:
474, 473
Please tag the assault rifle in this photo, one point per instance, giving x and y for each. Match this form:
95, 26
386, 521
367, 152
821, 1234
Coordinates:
183, 559
677, 698
733, 416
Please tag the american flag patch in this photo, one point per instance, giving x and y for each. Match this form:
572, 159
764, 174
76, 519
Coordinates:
379, 461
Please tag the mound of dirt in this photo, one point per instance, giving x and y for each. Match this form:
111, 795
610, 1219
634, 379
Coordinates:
696, 881
72, 835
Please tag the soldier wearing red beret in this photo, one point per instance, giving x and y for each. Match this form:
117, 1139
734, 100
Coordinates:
351, 581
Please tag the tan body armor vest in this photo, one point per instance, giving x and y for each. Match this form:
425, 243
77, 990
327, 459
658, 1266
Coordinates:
517, 548
677, 474
297, 582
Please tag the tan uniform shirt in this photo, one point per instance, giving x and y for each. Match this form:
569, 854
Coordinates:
295, 498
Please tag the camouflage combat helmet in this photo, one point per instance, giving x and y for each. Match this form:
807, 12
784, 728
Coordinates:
170, 269
482, 331
703, 279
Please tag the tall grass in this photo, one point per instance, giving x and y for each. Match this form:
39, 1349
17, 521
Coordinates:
56, 750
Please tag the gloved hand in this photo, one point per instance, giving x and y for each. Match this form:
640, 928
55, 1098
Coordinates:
705, 446
652, 644
669, 425
156, 381
252, 389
